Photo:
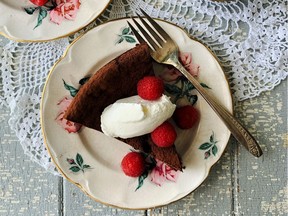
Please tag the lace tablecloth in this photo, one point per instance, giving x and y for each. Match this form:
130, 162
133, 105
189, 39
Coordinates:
249, 37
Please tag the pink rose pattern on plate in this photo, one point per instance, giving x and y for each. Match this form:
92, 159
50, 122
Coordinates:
162, 172
58, 10
176, 85
158, 171
65, 9
69, 126
170, 73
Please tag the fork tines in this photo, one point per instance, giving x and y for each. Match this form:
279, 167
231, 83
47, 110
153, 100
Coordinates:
159, 37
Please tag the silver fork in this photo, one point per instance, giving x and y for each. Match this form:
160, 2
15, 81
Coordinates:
165, 51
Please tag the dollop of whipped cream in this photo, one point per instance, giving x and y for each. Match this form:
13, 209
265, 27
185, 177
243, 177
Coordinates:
134, 116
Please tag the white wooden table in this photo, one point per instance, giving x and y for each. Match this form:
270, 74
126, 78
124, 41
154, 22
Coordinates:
238, 184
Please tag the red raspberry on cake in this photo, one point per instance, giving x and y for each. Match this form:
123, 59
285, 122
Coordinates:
150, 88
133, 164
186, 117
164, 135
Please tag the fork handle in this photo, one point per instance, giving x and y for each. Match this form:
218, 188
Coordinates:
238, 131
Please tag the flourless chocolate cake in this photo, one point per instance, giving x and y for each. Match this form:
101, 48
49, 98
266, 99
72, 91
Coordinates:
118, 79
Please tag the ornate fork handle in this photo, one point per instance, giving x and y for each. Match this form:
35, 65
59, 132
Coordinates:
238, 131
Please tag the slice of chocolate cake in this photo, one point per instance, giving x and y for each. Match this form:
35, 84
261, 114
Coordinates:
118, 79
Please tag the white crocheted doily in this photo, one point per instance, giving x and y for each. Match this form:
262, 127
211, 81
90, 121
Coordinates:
249, 37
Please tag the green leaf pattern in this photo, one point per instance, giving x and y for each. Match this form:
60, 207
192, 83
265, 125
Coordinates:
141, 179
30, 10
150, 164
205, 146
125, 31
192, 99
126, 35
84, 80
86, 166
42, 14
75, 169
209, 147
204, 85
73, 91
182, 88
79, 165
79, 160
173, 89
214, 150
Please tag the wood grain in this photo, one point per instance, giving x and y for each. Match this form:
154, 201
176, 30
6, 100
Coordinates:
25, 187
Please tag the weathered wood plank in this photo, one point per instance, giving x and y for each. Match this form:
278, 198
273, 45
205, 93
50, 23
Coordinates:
262, 183
77, 203
25, 187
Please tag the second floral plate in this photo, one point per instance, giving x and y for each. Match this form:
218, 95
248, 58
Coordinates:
43, 20
92, 160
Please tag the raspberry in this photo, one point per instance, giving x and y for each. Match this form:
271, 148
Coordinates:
164, 135
186, 117
133, 164
39, 2
150, 88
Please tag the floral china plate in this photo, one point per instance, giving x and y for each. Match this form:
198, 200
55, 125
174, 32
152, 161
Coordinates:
92, 160
23, 20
